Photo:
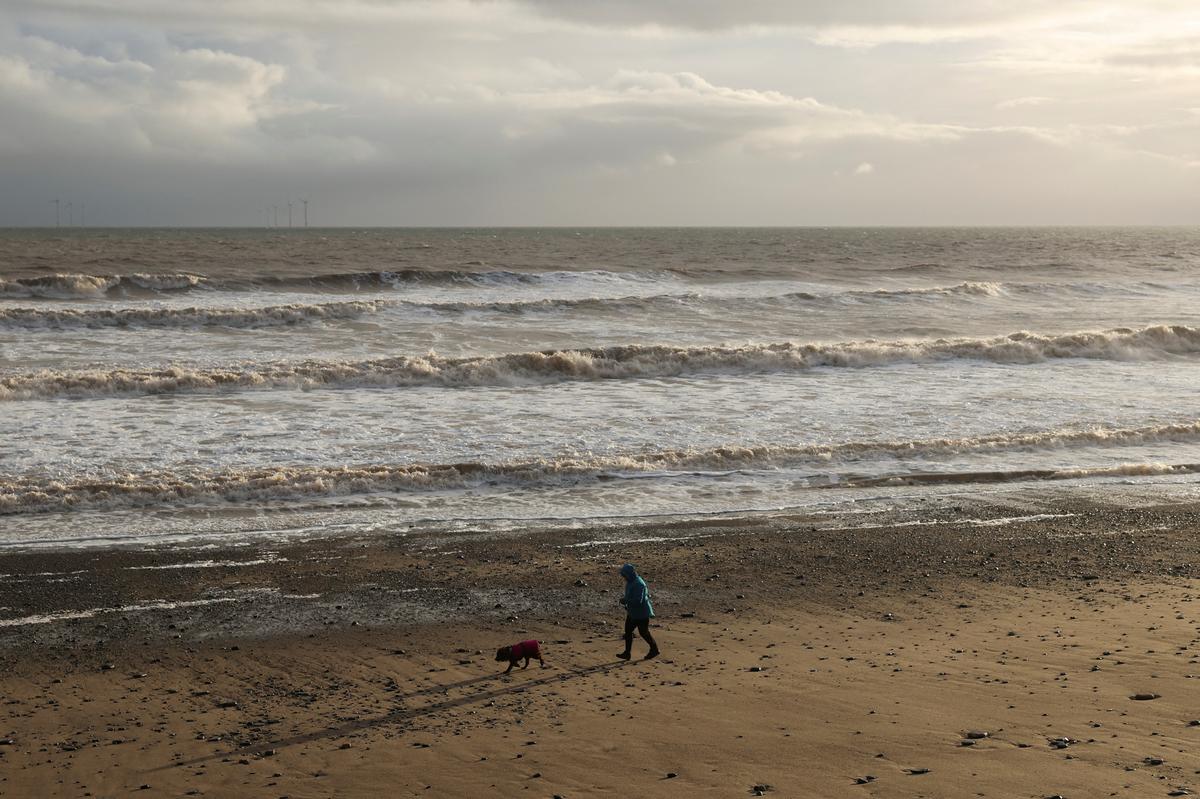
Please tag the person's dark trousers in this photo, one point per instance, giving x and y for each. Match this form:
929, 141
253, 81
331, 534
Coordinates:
643, 628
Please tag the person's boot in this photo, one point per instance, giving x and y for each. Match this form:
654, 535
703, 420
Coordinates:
653, 653
624, 655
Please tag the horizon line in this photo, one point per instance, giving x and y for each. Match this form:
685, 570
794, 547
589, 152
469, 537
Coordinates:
935, 226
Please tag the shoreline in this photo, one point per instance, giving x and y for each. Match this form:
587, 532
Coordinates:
1059, 541
792, 656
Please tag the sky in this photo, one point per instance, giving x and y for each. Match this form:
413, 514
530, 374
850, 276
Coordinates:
581, 112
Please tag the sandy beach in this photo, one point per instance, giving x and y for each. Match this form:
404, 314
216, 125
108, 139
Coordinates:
943, 659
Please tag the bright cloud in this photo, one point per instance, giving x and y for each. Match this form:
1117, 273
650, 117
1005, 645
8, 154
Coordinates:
532, 111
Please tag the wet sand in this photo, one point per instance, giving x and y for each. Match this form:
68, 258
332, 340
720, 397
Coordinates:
797, 661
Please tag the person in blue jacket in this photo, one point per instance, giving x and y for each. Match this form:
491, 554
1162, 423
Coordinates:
638, 612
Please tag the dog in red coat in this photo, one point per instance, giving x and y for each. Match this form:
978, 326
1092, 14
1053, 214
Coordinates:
529, 650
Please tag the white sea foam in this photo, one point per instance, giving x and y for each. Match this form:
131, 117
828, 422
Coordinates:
77, 286
968, 288
608, 363
47, 618
211, 564
723, 301
1014, 475
271, 316
1002, 521
31, 494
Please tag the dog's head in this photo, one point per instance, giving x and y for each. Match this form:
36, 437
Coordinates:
504, 653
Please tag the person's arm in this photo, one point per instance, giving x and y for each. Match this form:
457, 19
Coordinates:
635, 594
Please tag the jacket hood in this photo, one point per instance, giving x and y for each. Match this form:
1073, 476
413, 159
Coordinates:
628, 572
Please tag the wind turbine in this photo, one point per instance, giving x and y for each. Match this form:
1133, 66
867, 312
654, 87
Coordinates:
57, 215
305, 212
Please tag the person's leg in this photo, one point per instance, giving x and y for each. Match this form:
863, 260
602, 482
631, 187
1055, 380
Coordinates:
643, 628
629, 625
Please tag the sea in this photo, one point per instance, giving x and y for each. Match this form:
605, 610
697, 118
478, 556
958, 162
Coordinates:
174, 387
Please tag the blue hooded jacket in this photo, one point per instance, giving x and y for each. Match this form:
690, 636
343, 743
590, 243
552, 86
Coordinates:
637, 595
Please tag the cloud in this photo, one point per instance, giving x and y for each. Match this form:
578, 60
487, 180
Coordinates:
863, 14
523, 110
169, 102
697, 108
1179, 57
1018, 102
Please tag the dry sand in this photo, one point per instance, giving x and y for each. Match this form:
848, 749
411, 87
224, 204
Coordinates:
796, 662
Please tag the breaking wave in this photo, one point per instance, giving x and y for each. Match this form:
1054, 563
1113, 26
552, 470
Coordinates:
1020, 475
971, 289
34, 494
782, 301
87, 287
608, 363
663, 301
271, 316
400, 278
99, 287
84, 287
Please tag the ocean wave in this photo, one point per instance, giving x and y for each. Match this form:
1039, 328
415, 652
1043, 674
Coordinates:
607, 363
969, 288
1021, 475
594, 304
397, 278
36, 494
85, 287
92, 287
697, 299
271, 316
292, 313
641, 286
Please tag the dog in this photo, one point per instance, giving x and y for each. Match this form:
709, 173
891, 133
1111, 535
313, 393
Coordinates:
526, 649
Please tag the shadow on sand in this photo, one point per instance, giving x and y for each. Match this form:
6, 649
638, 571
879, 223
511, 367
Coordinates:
403, 714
